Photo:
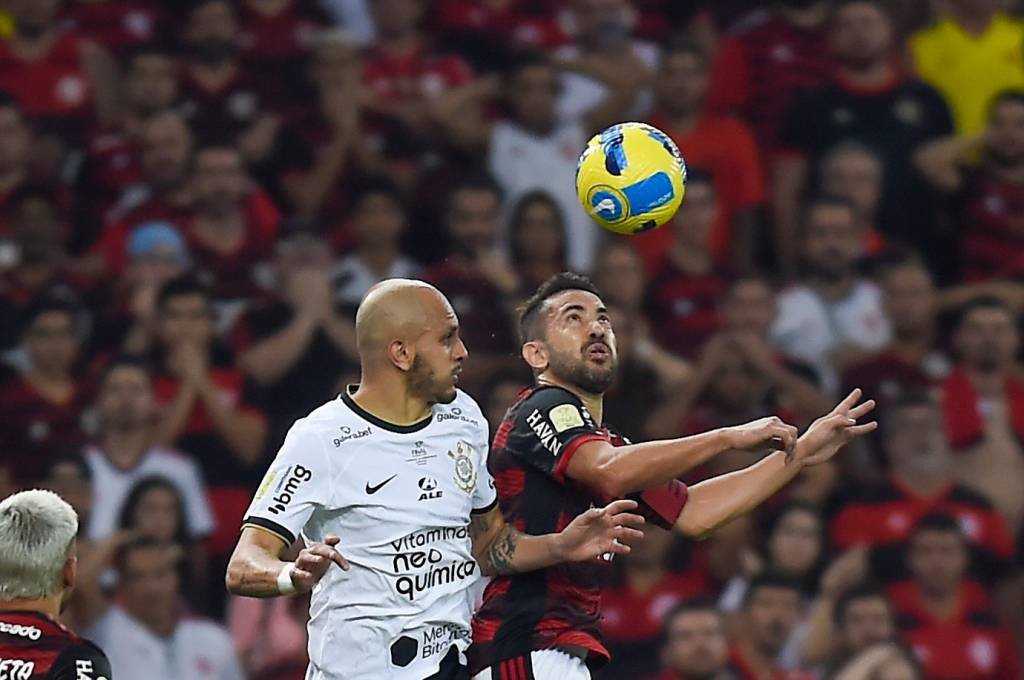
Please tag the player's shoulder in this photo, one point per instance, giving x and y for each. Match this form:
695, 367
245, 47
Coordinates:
466, 404
556, 404
81, 660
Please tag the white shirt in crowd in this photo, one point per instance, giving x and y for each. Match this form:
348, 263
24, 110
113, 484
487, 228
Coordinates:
522, 162
809, 328
198, 649
352, 278
116, 484
400, 498
581, 94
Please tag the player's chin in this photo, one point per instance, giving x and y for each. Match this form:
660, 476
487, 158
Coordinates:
447, 395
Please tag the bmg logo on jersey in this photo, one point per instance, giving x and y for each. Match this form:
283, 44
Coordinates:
294, 477
428, 487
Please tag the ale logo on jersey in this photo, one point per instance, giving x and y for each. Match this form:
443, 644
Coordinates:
294, 477
465, 470
428, 487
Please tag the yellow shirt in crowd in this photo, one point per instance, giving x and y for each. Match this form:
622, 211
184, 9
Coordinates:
970, 70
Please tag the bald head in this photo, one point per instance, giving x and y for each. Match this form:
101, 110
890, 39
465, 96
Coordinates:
397, 309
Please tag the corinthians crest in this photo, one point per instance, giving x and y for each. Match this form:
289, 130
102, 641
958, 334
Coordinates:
465, 470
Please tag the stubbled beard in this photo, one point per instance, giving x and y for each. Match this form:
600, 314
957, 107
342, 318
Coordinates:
576, 370
423, 381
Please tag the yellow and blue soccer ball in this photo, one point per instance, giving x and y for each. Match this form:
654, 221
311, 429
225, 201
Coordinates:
631, 178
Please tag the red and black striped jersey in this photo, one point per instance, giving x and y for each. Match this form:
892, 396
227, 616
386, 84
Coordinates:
557, 607
35, 647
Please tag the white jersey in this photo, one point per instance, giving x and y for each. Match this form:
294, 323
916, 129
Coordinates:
400, 498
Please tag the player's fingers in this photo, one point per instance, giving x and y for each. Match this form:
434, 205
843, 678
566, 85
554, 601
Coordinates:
340, 560
847, 403
621, 505
628, 535
617, 548
862, 409
302, 578
310, 561
627, 519
332, 540
858, 430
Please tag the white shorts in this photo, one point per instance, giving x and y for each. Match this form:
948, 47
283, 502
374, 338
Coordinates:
549, 664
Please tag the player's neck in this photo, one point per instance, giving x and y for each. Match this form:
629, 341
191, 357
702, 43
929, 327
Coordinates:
49, 606
391, 403
593, 402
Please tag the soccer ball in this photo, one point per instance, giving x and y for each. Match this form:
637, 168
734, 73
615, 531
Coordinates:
631, 178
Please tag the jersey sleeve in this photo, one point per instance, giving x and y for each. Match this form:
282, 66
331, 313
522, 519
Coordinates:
84, 660
661, 505
485, 496
549, 428
297, 483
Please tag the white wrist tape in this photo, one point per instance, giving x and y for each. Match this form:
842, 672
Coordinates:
285, 586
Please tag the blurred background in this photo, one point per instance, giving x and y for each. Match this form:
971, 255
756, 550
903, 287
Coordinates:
195, 195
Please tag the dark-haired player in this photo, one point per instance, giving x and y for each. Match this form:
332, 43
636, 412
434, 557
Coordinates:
552, 458
38, 566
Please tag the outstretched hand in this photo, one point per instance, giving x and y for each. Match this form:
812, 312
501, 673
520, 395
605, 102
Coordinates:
314, 561
831, 432
599, 531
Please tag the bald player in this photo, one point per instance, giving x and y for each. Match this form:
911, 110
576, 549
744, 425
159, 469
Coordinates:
396, 467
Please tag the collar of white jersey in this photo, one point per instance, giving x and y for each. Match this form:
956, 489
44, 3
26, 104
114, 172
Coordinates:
346, 397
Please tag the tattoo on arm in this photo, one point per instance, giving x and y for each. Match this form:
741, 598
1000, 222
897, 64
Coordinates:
502, 551
478, 525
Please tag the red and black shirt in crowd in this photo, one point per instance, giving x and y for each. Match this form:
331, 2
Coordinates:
557, 607
35, 647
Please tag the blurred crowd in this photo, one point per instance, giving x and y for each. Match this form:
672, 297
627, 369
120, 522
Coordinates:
195, 195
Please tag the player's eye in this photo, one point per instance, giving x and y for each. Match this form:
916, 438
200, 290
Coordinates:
574, 316
604, 319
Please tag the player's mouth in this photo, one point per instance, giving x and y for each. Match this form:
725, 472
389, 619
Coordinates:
598, 352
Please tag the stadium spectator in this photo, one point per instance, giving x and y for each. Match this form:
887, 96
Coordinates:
986, 173
939, 605
652, 581
644, 370
855, 173
219, 97
882, 662
687, 280
232, 225
794, 545
146, 631
379, 219
124, 452
694, 642
964, 55
327, 142
15, 144
913, 359
834, 316
112, 161
619, 274
847, 618
274, 37
983, 405
871, 101
155, 508
38, 263
534, 148
165, 194
205, 404
721, 145
537, 239
61, 78
44, 406
477, 278
404, 73
771, 611
296, 341
767, 60
601, 32
922, 481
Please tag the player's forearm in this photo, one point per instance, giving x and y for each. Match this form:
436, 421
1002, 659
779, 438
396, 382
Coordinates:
512, 551
640, 466
253, 574
719, 500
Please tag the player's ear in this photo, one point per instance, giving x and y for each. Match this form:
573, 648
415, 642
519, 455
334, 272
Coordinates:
401, 355
70, 574
536, 355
